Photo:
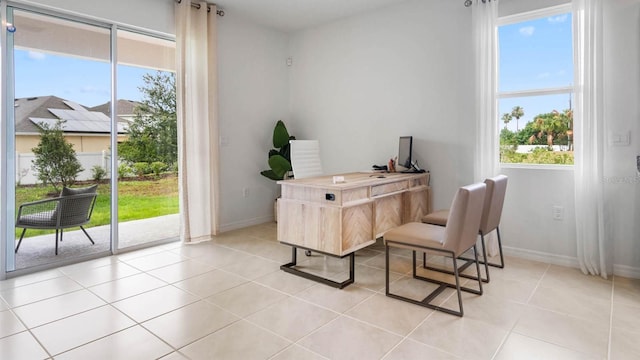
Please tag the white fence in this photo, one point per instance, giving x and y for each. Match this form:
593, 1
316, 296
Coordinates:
525, 149
25, 175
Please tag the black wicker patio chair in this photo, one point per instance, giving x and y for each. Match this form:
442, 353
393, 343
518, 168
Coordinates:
72, 208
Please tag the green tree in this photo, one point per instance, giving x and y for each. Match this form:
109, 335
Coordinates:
553, 126
508, 137
55, 159
506, 118
517, 112
153, 134
529, 135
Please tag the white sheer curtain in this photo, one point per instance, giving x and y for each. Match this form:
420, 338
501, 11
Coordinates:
589, 137
196, 98
484, 18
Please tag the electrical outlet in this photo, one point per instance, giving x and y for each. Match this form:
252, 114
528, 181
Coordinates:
558, 212
245, 192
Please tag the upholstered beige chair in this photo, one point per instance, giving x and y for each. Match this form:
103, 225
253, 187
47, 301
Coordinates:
491, 214
452, 240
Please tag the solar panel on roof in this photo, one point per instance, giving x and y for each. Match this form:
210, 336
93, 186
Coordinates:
85, 126
74, 105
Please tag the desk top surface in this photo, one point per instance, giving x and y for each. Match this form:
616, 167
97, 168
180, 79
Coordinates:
353, 180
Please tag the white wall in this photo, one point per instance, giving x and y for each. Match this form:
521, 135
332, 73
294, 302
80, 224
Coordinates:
527, 226
359, 83
622, 114
253, 94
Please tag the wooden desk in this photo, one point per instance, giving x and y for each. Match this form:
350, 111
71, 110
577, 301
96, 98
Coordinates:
338, 219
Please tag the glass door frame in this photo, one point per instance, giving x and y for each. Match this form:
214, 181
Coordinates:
7, 129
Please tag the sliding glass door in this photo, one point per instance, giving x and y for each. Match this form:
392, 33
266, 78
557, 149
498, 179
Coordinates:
148, 151
90, 108
61, 70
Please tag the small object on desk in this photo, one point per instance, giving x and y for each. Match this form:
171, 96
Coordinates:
338, 179
391, 166
380, 167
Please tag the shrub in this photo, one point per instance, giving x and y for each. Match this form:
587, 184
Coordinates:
540, 155
55, 159
124, 170
158, 167
141, 168
98, 173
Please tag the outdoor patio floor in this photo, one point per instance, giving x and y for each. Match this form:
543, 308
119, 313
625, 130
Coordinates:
40, 250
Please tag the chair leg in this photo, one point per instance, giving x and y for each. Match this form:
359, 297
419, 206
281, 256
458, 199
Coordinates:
466, 263
20, 242
86, 233
475, 253
56, 241
456, 275
484, 257
501, 265
427, 301
485, 261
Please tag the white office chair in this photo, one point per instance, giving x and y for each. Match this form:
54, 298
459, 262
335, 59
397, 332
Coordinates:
305, 158
305, 161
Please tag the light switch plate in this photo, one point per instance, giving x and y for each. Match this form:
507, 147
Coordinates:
620, 138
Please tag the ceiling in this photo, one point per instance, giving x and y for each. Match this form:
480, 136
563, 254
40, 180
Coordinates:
293, 15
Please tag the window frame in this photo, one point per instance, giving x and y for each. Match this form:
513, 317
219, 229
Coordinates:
519, 18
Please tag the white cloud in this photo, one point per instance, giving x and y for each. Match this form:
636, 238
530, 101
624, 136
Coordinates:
527, 30
544, 75
558, 19
34, 55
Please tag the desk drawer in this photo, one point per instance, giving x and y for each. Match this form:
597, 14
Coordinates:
378, 190
314, 195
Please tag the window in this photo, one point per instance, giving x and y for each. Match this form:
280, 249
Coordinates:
535, 87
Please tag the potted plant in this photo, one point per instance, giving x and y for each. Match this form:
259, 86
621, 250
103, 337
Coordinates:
279, 157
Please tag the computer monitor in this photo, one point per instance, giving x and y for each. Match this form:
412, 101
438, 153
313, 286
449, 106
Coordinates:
404, 152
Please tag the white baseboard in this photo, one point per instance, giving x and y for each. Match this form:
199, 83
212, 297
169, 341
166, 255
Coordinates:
245, 223
540, 256
626, 271
562, 260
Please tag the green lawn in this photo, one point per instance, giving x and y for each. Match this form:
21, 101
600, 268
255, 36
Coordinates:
137, 199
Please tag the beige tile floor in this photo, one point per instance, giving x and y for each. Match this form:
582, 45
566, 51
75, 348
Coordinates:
227, 299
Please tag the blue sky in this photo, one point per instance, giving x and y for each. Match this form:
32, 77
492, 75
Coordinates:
87, 82
535, 55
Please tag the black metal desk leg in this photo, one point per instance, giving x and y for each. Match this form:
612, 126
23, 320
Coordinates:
289, 267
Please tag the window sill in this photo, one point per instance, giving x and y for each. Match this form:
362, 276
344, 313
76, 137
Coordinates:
536, 166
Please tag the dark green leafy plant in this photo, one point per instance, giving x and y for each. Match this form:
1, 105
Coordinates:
152, 135
279, 157
55, 162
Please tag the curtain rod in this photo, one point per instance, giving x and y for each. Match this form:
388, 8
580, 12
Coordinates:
468, 3
197, 6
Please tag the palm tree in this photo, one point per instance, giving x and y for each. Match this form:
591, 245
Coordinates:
506, 117
517, 112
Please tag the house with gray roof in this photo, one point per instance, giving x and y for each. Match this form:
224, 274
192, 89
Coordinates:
88, 129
